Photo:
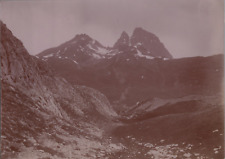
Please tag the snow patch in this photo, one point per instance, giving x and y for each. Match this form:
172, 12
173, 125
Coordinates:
82, 49
91, 47
75, 61
49, 55
215, 130
96, 56
58, 52
187, 155
146, 56
165, 59
102, 51
139, 44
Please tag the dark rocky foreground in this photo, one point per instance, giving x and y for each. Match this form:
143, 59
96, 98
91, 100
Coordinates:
194, 134
44, 116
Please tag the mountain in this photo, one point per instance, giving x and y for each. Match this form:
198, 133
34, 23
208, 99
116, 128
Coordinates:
168, 108
80, 49
148, 44
81, 57
83, 49
174, 107
42, 115
123, 42
129, 76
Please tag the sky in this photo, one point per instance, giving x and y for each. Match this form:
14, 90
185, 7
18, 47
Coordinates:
186, 27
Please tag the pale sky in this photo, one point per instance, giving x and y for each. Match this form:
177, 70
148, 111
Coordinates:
186, 27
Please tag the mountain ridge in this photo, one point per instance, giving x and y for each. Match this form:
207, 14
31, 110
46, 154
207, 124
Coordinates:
125, 74
96, 50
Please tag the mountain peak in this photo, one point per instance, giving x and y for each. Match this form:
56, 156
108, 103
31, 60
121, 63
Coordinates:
149, 41
141, 32
82, 37
82, 40
123, 41
137, 29
124, 34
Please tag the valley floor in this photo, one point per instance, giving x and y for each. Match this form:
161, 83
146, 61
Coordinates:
189, 128
96, 145
117, 140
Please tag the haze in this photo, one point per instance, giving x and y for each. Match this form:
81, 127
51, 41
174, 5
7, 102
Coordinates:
186, 27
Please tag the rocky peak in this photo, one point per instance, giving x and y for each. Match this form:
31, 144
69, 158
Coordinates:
138, 32
8, 40
148, 41
82, 37
15, 60
142, 36
123, 41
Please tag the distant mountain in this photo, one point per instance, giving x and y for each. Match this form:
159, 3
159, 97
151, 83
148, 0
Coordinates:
129, 72
148, 44
83, 49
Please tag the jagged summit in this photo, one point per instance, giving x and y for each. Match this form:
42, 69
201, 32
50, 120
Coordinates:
123, 41
81, 49
145, 40
82, 37
81, 40
124, 34
140, 30
142, 36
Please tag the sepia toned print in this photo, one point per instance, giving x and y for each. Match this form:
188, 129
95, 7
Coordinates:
112, 79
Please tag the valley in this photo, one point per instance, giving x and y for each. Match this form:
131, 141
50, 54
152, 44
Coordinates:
82, 100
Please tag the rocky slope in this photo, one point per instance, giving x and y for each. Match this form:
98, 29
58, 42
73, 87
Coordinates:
40, 112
